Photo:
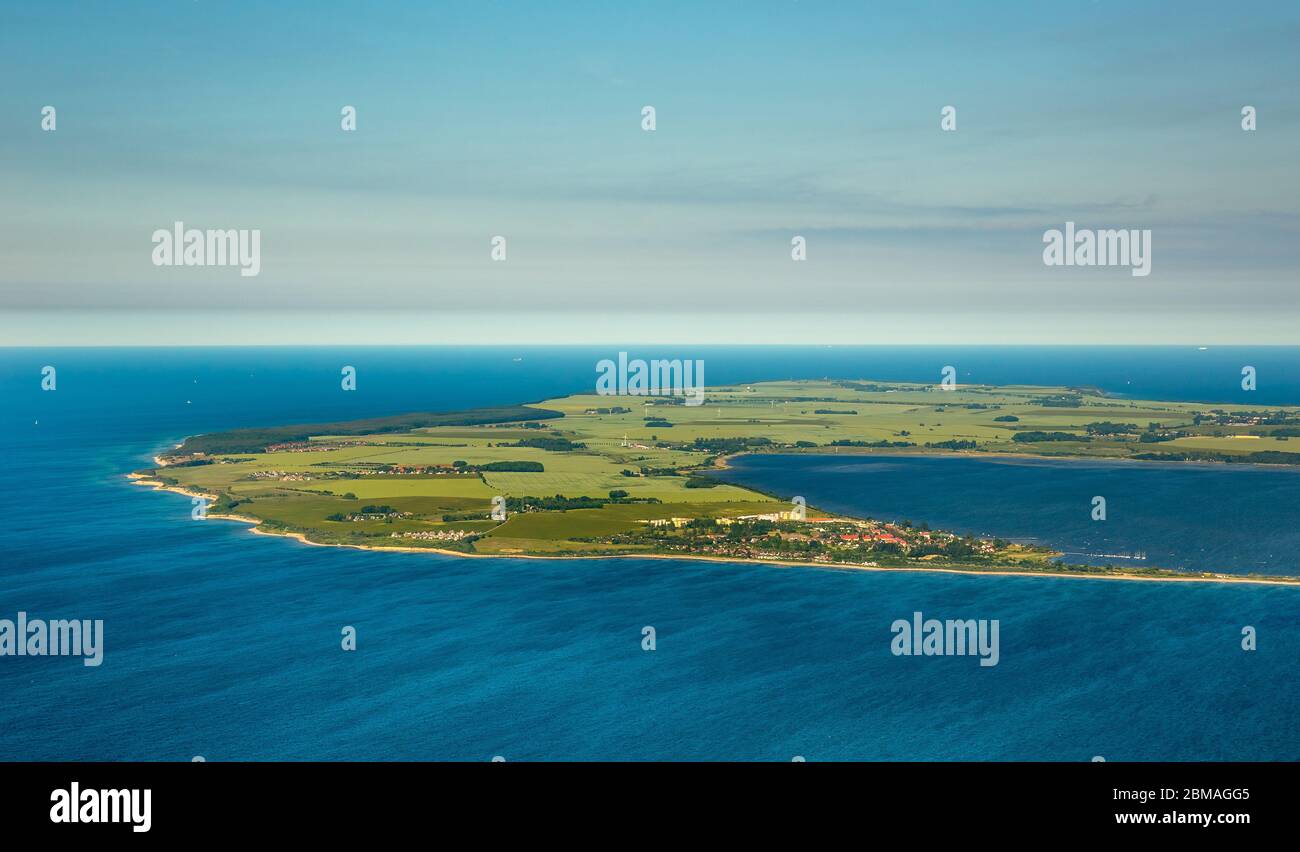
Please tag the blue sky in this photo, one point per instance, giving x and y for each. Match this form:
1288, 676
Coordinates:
773, 119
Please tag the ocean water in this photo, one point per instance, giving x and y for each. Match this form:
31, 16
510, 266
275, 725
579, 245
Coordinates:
226, 645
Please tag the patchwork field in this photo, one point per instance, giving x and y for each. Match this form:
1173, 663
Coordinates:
605, 466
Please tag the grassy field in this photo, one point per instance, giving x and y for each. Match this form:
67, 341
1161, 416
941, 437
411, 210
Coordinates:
431, 479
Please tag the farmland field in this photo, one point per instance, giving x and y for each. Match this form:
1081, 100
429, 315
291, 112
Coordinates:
636, 459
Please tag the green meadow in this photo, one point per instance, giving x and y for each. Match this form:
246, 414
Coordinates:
434, 479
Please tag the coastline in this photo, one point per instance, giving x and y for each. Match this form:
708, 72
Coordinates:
256, 529
159, 485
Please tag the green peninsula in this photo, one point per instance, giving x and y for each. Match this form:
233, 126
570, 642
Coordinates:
594, 475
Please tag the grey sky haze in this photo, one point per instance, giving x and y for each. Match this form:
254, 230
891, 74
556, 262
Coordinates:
820, 120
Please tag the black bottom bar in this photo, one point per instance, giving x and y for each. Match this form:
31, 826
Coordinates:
213, 800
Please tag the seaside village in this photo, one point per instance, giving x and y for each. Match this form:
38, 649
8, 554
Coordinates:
773, 535
789, 534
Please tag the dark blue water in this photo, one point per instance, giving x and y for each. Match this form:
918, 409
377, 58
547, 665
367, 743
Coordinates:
226, 645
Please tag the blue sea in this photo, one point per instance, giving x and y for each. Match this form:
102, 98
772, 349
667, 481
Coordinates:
226, 645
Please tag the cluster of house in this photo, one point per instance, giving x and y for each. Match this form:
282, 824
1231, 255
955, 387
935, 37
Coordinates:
678, 523
315, 446
792, 515
843, 531
406, 469
876, 536
789, 515
435, 535
281, 475
1239, 420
